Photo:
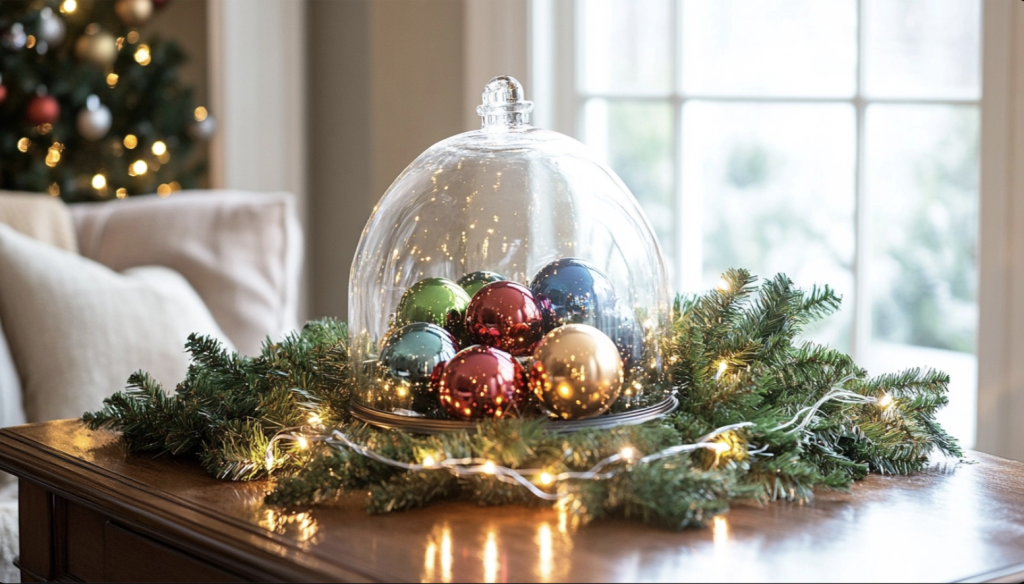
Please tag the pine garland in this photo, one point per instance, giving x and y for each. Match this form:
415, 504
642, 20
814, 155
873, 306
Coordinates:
734, 356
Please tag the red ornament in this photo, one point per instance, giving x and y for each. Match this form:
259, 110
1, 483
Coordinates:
3, 93
42, 109
481, 382
505, 315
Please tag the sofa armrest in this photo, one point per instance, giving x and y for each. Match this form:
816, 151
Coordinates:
242, 252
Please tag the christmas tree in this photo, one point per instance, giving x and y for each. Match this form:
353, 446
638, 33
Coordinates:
90, 108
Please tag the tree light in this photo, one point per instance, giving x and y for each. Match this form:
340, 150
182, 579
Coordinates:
112, 79
314, 418
130, 141
302, 442
164, 190
138, 168
627, 453
69, 6
159, 148
488, 468
722, 366
99, 182
885, 401
142, 56
23, 144
429, 460
201, 113
122, 193
723, 285
546, 478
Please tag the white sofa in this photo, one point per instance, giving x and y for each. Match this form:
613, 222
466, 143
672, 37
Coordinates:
240, 252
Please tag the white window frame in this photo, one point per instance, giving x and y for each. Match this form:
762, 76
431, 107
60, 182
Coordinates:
550, 56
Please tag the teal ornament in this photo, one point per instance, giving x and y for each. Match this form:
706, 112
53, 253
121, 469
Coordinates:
438, 301
408, 358
474, 281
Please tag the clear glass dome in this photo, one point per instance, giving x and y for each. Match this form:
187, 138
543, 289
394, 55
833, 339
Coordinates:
506, 202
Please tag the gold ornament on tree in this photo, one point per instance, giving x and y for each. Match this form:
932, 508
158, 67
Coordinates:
134, 12
96, 46
576, 372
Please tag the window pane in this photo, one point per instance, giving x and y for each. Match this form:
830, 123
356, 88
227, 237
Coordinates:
635, 139
769, 47
922, 48
626, 45
771, 187
922, 184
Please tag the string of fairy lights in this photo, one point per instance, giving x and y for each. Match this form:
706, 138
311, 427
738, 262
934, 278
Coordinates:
543, 482
100, 48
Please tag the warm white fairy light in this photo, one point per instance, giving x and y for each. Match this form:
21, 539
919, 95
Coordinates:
885, 401
723, 366
464, 467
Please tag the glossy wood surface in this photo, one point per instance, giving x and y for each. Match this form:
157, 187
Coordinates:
952, 522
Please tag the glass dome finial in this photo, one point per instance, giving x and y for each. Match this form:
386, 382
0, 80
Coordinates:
503, 104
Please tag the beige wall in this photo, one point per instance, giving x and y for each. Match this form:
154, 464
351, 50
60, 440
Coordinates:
384, 83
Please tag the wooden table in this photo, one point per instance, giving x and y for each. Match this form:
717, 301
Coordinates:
92, 513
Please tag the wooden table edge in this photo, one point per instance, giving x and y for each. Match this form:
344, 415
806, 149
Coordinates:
20, 458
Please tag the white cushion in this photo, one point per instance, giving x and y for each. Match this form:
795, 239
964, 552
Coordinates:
44, 218
77, 330
241, 252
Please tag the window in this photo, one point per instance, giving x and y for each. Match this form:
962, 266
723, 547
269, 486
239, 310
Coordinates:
834, 140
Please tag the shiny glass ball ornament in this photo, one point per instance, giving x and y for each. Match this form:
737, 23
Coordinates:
14, 38
577, 291
505, 315
435, 300
203, 129
621, 325
414, 350
576, 372
134, 12
96, 46
409, 357
481, 382
51, 28
473, 282
509, 199
94, 121
42, 109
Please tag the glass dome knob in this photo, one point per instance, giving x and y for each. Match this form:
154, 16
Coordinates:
503, 104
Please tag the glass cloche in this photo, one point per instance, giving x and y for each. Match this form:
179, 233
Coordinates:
506, 272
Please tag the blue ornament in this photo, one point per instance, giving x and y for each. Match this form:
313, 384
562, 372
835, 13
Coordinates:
407, 359
571, 290
621, 325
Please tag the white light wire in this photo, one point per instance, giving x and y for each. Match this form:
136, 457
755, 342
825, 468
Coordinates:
463, 467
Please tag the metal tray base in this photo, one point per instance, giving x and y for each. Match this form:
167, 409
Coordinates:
431, 426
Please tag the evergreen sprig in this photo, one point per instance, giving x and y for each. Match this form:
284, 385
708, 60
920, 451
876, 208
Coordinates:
735, 357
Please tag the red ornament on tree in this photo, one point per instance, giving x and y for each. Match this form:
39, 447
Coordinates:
481, 382
3, 93
505, 315
42, 109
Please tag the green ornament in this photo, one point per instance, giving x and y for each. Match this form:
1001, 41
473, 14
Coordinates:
474, 281
435, 300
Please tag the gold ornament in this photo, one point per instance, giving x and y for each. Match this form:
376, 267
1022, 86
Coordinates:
576, 372
134, 12
96, 46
